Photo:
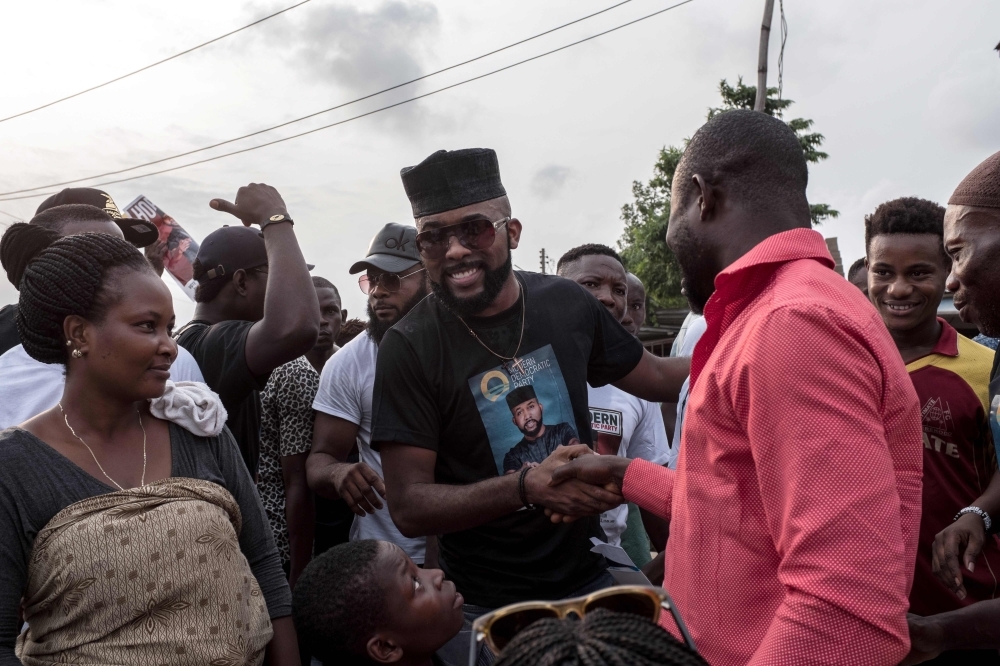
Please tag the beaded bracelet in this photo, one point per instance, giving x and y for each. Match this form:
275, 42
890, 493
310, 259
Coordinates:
521, 491
987, 522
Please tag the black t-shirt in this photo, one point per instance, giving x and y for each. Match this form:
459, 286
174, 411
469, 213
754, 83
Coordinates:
8, 328
220, 350
437, 388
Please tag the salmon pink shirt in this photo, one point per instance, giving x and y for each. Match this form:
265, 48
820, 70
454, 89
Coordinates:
795, 508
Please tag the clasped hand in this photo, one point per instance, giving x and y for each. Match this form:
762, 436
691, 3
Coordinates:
574, 482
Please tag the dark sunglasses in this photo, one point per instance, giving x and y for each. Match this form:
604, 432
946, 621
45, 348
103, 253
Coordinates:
389, 281
500, 627
473, 235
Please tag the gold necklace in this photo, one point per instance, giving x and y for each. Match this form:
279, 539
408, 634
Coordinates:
142, 481
513, 360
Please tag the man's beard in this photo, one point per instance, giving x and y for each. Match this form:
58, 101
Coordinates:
696, 272
531, 432
493, 282
377, 328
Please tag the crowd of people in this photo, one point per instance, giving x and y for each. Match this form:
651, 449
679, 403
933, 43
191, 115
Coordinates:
809, 478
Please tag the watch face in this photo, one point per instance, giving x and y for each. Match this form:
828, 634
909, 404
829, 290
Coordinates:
277, 218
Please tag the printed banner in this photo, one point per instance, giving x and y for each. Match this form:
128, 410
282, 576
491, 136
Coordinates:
179, 248
526, 409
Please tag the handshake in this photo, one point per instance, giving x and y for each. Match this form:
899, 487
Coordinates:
574, 482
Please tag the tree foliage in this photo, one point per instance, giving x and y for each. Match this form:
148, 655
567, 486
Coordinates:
643, 243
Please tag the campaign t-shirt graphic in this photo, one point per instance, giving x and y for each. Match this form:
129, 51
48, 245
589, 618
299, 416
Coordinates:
525, 408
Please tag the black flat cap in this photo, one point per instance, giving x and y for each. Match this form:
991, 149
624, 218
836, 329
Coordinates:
450, 179
138, 232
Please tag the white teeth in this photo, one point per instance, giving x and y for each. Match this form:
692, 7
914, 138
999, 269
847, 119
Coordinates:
463, 274
899, 308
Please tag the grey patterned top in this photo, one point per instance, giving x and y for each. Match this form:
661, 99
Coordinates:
286, 428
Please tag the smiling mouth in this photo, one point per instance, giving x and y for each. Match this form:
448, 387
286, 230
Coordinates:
464, 276
901, 308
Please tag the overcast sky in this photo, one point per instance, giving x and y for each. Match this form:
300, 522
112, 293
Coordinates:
907, 93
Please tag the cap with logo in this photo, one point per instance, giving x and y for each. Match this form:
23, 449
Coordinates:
227, 250
138, 232
393, 249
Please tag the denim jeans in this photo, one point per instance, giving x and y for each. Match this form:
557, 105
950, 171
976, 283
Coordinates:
456, 651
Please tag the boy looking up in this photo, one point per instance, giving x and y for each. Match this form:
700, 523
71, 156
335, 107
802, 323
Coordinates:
366, 602
907, 270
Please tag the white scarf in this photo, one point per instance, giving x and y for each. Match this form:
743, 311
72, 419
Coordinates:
191, 405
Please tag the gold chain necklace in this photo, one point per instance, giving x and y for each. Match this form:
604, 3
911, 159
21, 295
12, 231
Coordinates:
513, 360
142, 481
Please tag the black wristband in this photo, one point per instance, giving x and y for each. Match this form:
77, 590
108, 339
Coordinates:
520, 488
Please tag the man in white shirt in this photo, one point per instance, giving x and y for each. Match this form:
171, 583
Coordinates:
394, 281
623, 424
696, 327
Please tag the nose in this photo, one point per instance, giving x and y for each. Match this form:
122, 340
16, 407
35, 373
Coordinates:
605, 297
899, 288
952, 284
437, 578
168, 347
456, 251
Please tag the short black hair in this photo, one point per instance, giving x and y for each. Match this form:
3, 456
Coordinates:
587, 250
906, 215
58, 217
323, 283
601, 638
855, 268
339, 603
351, 329
70, 276
758, 156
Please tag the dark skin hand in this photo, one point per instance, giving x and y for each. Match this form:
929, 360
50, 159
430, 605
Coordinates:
599, 471
330, 476
421, 507
960, 544
975, 627
287, 322
300, 513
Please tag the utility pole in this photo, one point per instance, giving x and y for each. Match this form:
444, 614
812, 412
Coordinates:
765, 37
543, 258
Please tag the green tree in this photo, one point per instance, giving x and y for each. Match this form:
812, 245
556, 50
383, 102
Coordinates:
643, 245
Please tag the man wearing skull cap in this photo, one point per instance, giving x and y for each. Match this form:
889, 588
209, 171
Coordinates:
539, 439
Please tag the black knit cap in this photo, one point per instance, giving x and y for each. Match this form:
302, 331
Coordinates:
450, 179
519, 395
981, 187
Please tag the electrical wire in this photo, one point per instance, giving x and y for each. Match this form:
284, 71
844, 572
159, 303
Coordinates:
317, 113
374, 111
150, 66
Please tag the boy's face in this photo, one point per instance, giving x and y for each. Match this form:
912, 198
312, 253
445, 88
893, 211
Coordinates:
423, 610
906, 276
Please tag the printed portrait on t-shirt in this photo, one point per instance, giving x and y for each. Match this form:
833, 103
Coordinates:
526, 409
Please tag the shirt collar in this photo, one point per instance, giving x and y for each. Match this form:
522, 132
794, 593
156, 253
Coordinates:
778, 249
947, 344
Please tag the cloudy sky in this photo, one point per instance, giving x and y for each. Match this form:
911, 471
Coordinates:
907, 93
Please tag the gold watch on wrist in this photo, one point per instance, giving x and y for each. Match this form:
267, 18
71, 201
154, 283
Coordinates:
275, 219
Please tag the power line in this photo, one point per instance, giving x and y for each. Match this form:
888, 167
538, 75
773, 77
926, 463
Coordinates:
374, 111
317, 113
158, 62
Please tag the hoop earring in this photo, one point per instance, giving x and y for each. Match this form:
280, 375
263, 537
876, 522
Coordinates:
77, 353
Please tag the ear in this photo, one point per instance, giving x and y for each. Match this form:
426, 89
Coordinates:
868, 266
240, 281
707, 198
76, 330
343, 314
383, 650
514, 232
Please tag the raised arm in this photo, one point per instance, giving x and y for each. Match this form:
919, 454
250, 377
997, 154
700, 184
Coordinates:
656, 379
291, 312
421, 507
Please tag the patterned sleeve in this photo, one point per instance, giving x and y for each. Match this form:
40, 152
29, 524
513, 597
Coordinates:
296, 392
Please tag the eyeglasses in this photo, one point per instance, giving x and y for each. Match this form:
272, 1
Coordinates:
389, 281
472, 235
501, 626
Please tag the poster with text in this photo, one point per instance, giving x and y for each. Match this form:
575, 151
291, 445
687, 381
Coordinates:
179, 248
526, 409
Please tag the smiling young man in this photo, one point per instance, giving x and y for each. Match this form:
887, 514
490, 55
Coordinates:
907, 271
441, 419
394, 281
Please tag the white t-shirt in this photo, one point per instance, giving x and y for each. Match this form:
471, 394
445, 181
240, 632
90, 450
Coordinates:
627, 426
29, 387
695, 330
345, 391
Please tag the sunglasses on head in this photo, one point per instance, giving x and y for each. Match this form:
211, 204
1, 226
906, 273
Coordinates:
500, 627
391, 282
472, 235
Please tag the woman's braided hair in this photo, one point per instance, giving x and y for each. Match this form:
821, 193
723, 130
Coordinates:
68, 276
601, 638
